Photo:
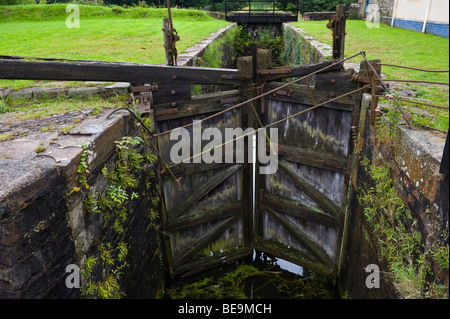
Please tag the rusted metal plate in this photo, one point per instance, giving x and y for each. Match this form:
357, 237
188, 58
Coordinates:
280, 70
146, 89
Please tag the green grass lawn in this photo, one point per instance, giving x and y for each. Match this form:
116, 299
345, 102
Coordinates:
105, 33
391, 46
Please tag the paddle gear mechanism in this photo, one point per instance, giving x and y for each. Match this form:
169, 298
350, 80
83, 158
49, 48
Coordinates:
173, 36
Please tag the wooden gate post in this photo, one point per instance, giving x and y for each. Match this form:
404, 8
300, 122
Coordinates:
168, 41
339, 32
245, 66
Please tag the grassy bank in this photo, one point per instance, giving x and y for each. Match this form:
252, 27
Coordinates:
400, 47
391, 46
51, 12
105, 33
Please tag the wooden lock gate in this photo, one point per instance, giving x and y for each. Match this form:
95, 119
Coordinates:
215, 213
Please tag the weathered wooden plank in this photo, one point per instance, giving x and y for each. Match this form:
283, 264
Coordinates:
321, 130
207, 103
203, 215
323, 201
198, 245
298, 209
202, 190
171, 93
302, 70
343, 104
335, 82
183, 169
331, 162
174, 113
182, 112
316, 250
199, 101
296, 93
114, 71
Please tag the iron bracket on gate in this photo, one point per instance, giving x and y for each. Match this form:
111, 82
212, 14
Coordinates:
141, 94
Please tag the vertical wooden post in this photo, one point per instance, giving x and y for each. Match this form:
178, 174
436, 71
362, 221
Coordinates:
263, 62
339, 32
245, 66
168, 41
263, 59
366, 73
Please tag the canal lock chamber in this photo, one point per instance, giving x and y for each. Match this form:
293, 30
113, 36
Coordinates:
118, 155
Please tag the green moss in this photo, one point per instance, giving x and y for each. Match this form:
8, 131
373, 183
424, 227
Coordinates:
115, 206
214, 55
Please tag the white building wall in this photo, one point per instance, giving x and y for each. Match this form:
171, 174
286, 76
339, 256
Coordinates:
416, 10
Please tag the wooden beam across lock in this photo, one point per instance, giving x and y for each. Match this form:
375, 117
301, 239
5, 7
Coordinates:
14, 68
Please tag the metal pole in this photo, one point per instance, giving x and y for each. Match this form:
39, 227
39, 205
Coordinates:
394, 11
426, 16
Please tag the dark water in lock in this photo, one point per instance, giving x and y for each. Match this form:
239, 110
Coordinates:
259, 277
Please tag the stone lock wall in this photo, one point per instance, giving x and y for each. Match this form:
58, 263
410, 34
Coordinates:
414, 164
43, 229
301, 48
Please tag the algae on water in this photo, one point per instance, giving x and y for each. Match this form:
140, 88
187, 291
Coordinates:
249, 282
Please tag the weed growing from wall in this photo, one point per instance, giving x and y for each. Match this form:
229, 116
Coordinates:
115, 205
397, 232
246, 42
